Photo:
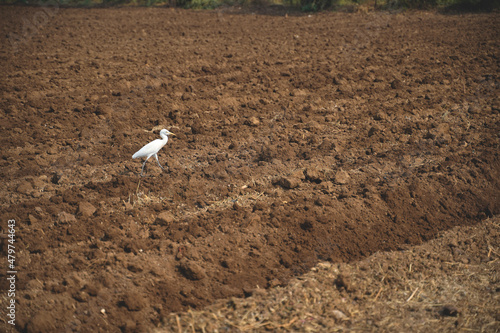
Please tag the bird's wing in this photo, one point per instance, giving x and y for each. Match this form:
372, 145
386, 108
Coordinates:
149, 149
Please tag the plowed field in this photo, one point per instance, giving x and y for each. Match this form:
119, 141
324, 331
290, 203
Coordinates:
299, 139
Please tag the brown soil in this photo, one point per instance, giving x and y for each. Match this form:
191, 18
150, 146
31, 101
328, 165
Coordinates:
300, 139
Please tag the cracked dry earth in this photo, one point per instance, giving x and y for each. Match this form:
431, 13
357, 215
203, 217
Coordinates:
300, 139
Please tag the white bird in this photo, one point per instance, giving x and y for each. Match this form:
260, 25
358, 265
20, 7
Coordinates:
153, 148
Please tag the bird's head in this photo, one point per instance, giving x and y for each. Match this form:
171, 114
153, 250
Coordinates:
166, 132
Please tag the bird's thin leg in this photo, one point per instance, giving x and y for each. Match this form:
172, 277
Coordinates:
156, 155
144, 164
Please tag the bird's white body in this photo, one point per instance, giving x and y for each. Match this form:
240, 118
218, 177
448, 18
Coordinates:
153, 148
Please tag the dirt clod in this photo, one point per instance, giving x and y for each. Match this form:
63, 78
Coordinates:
86, 209
134, 301
191, 270
66, 218
165, 218
289, 182
341, 177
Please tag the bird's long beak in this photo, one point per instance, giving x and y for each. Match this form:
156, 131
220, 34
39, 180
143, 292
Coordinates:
172, 134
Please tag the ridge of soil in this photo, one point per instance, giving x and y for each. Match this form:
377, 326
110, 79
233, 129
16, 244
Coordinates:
449, 284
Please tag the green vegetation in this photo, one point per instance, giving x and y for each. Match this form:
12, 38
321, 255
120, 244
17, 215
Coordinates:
304, 5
